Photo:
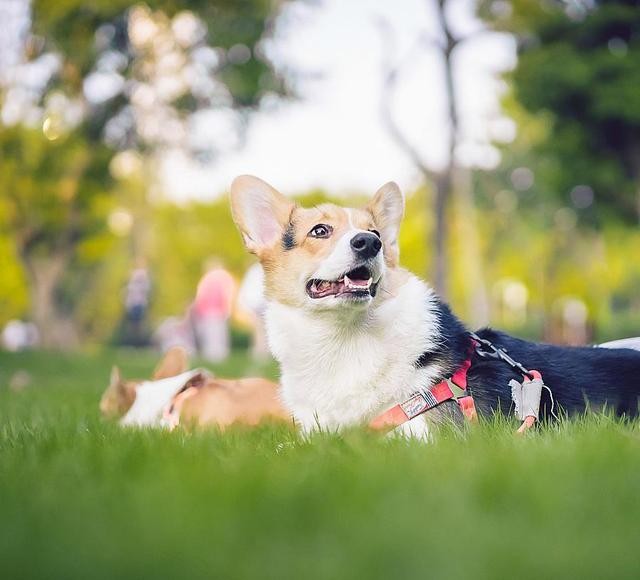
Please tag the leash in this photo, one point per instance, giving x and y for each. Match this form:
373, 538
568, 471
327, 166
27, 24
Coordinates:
492, 351
526, 400
526, 395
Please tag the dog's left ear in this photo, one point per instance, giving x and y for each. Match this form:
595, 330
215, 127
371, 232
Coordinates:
387, 208
116, 379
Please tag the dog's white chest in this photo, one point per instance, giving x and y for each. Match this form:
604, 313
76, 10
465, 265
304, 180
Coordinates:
339, 371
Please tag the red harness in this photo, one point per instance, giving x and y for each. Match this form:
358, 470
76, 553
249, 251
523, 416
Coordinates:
423, 401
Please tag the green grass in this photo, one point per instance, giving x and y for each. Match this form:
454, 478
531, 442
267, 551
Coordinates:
81, 498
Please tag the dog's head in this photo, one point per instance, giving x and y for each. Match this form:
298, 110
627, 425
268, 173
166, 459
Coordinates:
121, 393
323, 258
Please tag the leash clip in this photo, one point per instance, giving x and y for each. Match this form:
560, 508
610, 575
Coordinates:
494, 352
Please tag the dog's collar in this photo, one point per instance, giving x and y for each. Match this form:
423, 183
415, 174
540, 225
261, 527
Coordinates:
451, 389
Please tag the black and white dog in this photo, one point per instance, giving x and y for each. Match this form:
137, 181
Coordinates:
357, 336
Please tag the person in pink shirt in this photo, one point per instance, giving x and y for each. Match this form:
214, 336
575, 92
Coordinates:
211, 310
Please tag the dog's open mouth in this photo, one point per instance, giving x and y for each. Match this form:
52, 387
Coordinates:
357, 283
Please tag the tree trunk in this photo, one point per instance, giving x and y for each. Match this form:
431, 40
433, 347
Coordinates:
45, 275
444, 180
441, 233
477, 299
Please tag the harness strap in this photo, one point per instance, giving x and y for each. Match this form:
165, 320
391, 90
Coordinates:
468, 407
425, 400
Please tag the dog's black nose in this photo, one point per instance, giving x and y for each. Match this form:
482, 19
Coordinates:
366, 245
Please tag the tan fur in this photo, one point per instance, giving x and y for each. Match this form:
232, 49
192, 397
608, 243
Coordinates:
119, 395
174, 362
283, 267
223, 402
220, 402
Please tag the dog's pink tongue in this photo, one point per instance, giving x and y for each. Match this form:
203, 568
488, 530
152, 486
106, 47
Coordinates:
357, 281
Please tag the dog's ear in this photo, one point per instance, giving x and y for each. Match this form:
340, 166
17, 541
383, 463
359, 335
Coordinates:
115, 378
260, 212
175, 362
113, 400
387, 208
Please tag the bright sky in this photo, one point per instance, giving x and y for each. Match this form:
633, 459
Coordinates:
333, 137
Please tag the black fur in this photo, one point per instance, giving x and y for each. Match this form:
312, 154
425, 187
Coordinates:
453, 347
288, 238
580, 378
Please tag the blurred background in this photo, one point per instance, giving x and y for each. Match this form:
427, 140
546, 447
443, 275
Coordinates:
512, 126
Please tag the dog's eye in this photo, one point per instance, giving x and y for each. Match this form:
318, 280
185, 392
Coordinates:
376, 232
321, 231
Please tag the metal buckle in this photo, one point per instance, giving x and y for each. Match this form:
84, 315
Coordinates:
498, 353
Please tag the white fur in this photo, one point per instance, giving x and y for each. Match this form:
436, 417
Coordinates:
632, 343
346, 365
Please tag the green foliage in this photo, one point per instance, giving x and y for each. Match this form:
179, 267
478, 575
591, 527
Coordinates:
55, 192
577, 67
13, 289
69, 27
415, 234
184, 238
54, 200
82, 498
544, 250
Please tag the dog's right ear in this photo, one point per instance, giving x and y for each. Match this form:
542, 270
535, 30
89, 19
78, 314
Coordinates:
260, 212
175, 362
387, 209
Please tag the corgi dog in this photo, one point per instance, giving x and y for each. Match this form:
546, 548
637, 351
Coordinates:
176, 395
356, 335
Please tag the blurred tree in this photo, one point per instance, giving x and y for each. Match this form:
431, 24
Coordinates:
578, 73
103, 84
442, 180
53, 197
452, 178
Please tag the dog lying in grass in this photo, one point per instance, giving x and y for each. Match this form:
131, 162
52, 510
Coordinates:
176, 395
362, 341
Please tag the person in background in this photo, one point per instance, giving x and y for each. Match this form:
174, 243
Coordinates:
251, 300
136, 304
175, 331
211, 311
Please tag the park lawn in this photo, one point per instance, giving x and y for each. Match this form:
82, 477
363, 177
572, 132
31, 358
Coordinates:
81, 498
